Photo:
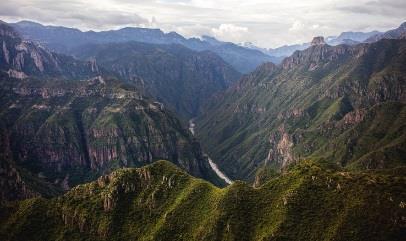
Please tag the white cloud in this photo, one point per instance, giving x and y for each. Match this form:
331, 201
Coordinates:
230, 32
268, 23
297, 26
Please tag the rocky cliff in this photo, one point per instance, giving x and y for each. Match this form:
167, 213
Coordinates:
342, 105
70, 132
62, 123
180, 78
21, 59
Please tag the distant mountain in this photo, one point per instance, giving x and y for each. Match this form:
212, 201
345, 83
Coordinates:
349, 38
62, 123
287, 50
64, 40
161, 202
181, 78
21, 59
339, 105
391, 34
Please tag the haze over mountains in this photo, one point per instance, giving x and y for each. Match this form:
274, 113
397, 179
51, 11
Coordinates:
350, 38
95, 143
64, 121
64, 40
244, 57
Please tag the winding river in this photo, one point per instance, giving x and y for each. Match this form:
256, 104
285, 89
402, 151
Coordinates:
213, 165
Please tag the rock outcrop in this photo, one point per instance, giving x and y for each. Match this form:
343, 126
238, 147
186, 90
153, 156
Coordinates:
329, 101
180, 78
73, 132
317, 41
21, 58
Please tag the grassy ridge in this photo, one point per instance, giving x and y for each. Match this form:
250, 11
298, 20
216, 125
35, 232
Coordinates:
161, 202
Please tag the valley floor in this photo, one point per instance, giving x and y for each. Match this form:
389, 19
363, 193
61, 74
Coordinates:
213, 165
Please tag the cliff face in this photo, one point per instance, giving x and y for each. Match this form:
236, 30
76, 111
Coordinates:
160, 202
63, 123
66, 40
179, 77
330, 104
21, 59
68, 133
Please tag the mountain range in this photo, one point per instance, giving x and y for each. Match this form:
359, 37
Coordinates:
349, 38
94, 142
64, 122
177, 76
64, 40
343, 105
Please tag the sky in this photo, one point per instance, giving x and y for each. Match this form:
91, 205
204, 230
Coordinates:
266, 23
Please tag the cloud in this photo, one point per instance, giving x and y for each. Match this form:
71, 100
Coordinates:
267, 23
297, 26
389, 8
230, 32
74, 12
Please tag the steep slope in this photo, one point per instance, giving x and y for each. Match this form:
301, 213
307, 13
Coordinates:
59, 128
20, 59
342, 105
179, 77
17, 183
160, 202
391, 34
70, 132
64, 40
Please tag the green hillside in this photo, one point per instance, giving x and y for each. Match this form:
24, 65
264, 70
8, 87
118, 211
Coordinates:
65, 133
161, 202
342, 105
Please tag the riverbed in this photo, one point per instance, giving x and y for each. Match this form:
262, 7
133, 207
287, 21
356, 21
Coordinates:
213, 165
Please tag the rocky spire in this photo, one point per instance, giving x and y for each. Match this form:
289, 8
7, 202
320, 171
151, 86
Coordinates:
318, 41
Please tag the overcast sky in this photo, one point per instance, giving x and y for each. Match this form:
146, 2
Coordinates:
266, 23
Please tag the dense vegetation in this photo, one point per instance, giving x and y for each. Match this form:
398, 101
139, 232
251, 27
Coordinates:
321, 139
71, 132
161, 202
180, 78
64, 122
342, 105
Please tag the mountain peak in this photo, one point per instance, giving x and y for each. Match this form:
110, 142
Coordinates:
319, 40
26, 23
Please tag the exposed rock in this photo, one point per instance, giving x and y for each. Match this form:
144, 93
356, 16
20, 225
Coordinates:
93, 127
26, 57
319, 95
16, 74
12, 185
317, 41
6, 53
354, 117
178, 77
281, 148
